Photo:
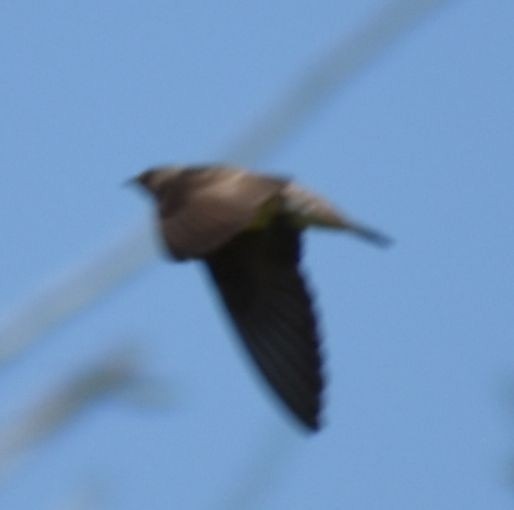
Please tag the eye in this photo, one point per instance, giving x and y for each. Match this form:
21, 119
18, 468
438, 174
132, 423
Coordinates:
146, 177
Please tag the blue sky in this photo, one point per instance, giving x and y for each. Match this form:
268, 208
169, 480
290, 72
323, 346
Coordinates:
419, 338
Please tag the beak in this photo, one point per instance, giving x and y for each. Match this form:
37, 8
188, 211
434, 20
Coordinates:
131, 181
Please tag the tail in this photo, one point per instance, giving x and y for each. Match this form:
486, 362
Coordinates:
307, 209
369, 234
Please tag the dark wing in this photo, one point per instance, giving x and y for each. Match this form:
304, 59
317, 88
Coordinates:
206, 208
258, 278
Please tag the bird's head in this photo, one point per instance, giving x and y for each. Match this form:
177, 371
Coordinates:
154, 180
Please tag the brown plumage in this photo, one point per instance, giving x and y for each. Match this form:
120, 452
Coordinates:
246, 228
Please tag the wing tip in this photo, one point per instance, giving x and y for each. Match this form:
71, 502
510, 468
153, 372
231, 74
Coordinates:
308, 424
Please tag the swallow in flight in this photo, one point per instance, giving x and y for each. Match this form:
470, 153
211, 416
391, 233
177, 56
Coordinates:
246, 228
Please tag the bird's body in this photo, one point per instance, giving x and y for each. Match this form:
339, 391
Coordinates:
246, 228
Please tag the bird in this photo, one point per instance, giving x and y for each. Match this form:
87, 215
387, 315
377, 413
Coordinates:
246, 228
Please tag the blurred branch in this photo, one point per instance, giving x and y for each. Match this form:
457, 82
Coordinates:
333, 71
506, 399
117, 374
72, 291
83, 285
88, 496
